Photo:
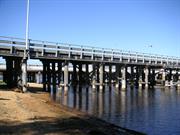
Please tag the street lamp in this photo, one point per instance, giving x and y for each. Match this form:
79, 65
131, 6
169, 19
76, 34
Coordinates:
27, 27
25, 58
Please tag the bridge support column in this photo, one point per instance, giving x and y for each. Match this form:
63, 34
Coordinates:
164, 77
38, 76
118, 71
178, 83
146, 77
171, 78
137, 77
44, 75
74, 75
94, 77
17, 72
101, 71
66, 78
48, 76
97, 73
80, 74
54, 76
140, 78
9, 72
24, 75
110, 74
123, 81
152, 77
87, 73
59, 72
132, 77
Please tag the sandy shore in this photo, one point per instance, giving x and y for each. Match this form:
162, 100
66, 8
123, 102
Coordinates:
35, 113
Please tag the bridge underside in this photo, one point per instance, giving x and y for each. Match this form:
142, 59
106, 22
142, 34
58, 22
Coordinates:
97, 74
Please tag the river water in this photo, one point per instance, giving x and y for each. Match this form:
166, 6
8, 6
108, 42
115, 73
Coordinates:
151, 111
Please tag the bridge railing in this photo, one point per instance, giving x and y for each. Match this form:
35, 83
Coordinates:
81, 50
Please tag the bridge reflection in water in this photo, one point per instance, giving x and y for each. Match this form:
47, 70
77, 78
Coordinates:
154, 111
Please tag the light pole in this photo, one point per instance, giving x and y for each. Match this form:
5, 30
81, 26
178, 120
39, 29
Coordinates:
26, 51
27, 26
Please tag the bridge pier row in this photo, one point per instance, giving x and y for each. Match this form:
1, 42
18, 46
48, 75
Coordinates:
123, 80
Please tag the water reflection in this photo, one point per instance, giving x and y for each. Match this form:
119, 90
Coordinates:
153, 111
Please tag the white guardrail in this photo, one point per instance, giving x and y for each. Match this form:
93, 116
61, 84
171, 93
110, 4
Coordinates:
88, 50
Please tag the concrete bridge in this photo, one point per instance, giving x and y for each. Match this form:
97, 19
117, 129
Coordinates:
90, 65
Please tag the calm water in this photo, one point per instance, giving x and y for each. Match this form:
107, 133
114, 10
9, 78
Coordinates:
153, 112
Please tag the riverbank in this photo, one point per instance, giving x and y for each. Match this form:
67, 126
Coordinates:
35, 113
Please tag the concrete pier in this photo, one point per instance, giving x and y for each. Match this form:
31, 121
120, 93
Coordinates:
59, 72
101, 76
48, 79
54, 76
80, 80
110, 74
146, 70
66, 83
132, 77
93, 76
123, 81
24, 75
118, 72
140, 78
74, 75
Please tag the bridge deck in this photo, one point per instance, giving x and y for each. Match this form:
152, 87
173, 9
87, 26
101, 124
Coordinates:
10, 46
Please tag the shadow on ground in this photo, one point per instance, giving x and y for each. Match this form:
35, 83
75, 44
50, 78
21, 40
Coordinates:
70, 126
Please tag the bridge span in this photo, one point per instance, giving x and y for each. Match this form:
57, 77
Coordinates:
90, 65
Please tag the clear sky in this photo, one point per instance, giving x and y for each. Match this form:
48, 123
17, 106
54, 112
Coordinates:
123, 24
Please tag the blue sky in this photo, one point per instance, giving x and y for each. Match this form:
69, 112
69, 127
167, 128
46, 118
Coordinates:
123, 24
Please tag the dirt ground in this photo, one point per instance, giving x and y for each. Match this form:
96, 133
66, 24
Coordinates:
34, 113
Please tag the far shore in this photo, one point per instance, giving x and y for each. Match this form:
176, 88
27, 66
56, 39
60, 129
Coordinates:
35, 113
